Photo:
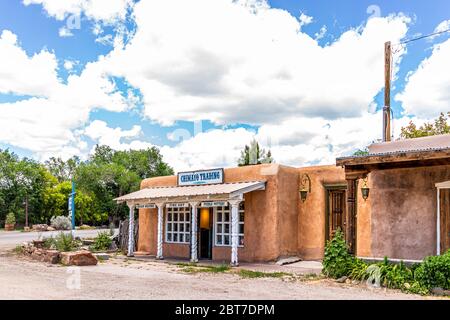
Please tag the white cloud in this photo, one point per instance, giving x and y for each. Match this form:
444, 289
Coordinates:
319, 35
215, 148
65, 32
229, 64
44, 123
427, 92
69, 64
305, 19
296, 142
443, 26
22, 74
108, 11
101, 133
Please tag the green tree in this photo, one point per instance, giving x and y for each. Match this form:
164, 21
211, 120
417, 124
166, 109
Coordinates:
62, 170
21, 179
439, 126
253, 154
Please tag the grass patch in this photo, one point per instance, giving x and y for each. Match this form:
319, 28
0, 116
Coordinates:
259, 274
194, 268
18, 249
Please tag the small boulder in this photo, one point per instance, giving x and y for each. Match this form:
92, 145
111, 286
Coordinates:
288, 260
51, 229
113, 246
52, 256
438, 291
38, 243
87, 242
101, 256
78, 258
341, 279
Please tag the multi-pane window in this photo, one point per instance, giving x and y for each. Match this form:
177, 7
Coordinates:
223, 225
178, 225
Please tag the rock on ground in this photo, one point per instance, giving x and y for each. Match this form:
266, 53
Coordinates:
78, 258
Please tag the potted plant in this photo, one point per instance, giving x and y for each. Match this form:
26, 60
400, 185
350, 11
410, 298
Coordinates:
10, 222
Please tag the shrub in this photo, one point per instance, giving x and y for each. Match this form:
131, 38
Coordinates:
434, 272
359, 270
49, 243
65, 242
61, 223
396, 275
337, 261
102, 241
10, 218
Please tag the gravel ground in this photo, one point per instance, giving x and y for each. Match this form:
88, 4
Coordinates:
22, 278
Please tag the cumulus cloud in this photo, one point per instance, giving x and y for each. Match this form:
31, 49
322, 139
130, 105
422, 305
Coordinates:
427, 92
214, 148
65, 32
233, 61
22, 74
116, 138
45, 122
106, 11
229, 64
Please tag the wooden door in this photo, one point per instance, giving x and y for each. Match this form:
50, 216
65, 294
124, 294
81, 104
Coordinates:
444, 203
336, 212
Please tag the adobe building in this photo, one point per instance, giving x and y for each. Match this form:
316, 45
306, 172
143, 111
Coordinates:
407, 212
393, 202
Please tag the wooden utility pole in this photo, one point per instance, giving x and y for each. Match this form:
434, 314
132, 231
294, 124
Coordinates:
387, 92
26, 211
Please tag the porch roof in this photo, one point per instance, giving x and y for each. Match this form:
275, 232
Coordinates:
206, 192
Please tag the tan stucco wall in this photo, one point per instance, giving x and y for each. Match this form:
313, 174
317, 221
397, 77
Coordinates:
311, 220
403, 211
267, 234
276, 222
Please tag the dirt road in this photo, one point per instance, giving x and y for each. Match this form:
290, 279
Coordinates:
21, 278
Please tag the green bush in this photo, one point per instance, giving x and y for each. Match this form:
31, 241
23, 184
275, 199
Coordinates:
61, 223
102, 241
337, 262
10, 218
359, 270
65, 242
396, 275
434, 272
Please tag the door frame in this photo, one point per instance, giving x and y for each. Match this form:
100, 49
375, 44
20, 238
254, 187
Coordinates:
199, 233
439, 187
328, 188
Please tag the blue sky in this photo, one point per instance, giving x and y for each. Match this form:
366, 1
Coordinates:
37, 27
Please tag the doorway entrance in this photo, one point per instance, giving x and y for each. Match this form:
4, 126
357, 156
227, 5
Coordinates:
205, 227
444, 213
335, 216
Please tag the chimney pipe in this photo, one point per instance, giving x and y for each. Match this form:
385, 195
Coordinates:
387, 93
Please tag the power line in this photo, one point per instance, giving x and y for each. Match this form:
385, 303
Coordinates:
423, 37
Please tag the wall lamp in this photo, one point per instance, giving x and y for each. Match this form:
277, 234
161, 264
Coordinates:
305, 186
365, 189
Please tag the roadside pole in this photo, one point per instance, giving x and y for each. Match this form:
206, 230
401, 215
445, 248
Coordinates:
72, 207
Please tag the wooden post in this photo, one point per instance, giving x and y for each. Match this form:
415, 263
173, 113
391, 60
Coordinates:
26, 211
387, 93
350, 220
194, 245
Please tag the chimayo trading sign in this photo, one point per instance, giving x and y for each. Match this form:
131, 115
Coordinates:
200, 177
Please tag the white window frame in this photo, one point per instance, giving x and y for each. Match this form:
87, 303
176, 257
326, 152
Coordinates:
223, 224
178, 211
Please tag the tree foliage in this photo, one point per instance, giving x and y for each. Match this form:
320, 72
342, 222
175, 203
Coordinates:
106, 175
439, 126
253, 154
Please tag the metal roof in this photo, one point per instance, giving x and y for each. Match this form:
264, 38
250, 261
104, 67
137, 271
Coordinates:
431, 143
158, 193
410, 146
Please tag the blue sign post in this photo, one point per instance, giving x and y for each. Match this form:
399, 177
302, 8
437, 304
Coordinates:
72, 205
